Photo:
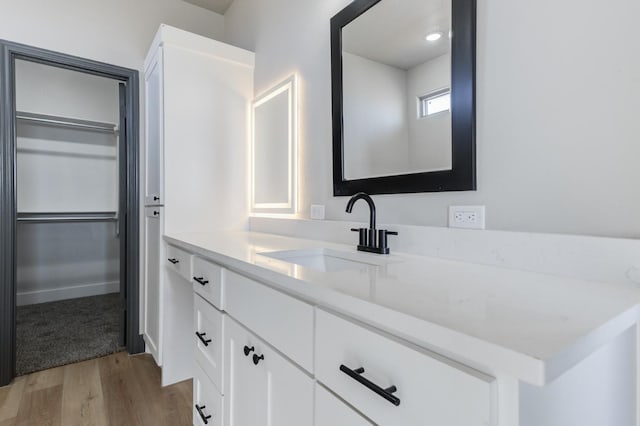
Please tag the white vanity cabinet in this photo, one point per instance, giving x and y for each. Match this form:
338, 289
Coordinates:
208, 340
207, 402
278, 353
151, 309
264, 388
154, 125
393, 383
330, 411
177, 316
197, 95
283, 321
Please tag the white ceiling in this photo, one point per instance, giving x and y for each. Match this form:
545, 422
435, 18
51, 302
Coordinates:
393, 31
217, 6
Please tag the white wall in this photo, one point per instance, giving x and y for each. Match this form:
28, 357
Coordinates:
66, 170
429, 137
66, 260
376, 121
118, 32
62, 170
552, 157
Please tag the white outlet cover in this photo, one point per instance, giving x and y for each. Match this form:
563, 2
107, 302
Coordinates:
467, 217
317, 211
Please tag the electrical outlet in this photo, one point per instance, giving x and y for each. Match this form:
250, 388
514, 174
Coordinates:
317, 211
467, 217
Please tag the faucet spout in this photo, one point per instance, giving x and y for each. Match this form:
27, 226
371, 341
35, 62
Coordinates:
372, 208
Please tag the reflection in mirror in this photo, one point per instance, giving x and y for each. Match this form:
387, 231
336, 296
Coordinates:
403, 96
396, 66
274, 150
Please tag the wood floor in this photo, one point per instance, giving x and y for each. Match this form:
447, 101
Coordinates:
114, 390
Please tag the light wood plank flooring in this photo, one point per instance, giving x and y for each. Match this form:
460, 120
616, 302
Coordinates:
114, 390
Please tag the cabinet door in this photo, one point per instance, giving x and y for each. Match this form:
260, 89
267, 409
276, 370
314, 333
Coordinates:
330, 411
151, 293
262, 387
154, 85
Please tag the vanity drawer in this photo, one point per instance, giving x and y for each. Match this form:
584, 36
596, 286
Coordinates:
330, 411
179, 261
429, 389
286, 323
208, 339
207, 281
206, 400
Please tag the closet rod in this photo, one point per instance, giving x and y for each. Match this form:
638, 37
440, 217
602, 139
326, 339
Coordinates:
67, 217
67, 122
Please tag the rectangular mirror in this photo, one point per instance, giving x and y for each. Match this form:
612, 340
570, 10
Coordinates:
403, 78
274, 145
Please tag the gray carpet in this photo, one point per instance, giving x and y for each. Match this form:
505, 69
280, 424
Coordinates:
59, 333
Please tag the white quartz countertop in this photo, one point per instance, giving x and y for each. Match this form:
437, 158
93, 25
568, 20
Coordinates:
505, 322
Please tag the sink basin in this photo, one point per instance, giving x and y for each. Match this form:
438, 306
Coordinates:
322, 259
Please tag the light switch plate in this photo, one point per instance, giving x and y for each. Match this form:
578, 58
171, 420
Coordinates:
317, 211
467, 217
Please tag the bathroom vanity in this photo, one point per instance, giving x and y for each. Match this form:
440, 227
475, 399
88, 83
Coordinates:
287, 331
290, 331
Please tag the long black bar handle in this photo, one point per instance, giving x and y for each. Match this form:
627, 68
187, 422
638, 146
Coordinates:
202, 415
385, 393
174, 261
202, 338
200, 280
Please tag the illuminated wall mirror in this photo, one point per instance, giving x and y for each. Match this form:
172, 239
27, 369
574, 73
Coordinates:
403, 78
274, 146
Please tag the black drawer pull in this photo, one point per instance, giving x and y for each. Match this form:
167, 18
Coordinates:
201, 280
257, 359
385, 393
174, 261
248, 350
156, 213
202, 339
156, 198
202, 415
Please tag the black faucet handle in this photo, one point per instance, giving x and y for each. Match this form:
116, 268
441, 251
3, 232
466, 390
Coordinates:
362, 235
382, 240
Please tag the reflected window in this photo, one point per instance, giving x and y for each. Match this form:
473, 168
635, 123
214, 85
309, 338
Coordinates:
434, 103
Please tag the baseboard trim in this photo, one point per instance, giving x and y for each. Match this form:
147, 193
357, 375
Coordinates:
63, 293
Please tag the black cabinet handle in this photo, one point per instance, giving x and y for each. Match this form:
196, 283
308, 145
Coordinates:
156, 213
174, 261
385, 393
202, 339
201, 280
257, 359
156, 198
202, 415
248, 350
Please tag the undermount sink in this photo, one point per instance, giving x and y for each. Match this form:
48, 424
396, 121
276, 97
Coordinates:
323, 259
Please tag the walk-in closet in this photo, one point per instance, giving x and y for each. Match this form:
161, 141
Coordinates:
68, 250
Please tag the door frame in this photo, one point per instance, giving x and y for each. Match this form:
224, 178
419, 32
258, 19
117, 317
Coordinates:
130, 221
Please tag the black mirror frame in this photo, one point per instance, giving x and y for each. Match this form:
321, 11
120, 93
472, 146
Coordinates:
462, 177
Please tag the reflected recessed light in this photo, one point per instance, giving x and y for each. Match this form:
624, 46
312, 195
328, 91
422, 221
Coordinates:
433, 36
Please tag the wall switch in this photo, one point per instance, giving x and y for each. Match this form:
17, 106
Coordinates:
317, 211
467, 217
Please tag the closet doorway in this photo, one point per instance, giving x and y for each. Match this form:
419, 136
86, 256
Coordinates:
69, 225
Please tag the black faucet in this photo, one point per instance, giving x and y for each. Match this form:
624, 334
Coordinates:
370, 240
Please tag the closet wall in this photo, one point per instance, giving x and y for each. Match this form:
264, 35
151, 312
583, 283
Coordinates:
66, 170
